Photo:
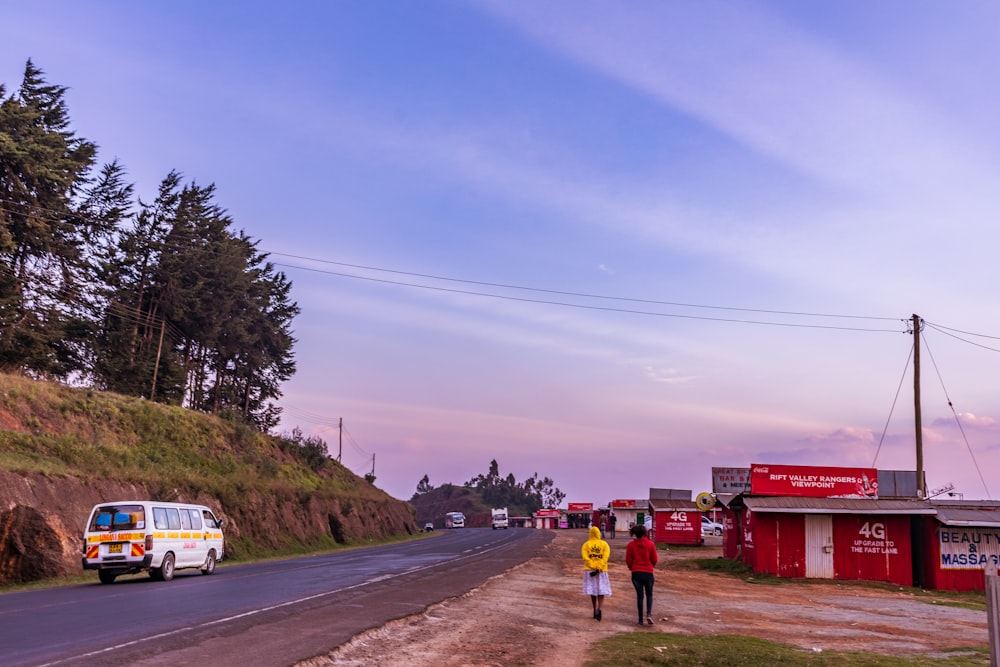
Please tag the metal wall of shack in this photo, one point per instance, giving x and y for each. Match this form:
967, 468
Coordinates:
732, 539
774, 543
873, 547
979, 534
676, 522
870, 547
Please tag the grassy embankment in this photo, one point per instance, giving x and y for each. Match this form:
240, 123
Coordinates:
54, 430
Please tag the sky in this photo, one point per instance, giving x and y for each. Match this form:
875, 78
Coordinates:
611, 244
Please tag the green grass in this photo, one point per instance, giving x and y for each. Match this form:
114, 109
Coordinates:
656, 649
68, 431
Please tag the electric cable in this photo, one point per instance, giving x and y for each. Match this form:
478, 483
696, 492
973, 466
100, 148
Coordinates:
452, 290
957, 420
892, 409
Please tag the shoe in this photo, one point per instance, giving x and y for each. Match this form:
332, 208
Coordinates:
595, 614
649, 621
640, 622
598, 616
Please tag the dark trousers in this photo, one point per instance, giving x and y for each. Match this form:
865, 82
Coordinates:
643, 582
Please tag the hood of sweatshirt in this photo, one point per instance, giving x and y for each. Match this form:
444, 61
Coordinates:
595, 533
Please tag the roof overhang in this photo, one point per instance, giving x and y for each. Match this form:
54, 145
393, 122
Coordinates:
795, 505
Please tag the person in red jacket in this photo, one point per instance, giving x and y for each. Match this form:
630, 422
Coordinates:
641, 558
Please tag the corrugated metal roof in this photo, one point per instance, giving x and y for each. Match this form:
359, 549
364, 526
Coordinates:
669, 504
669, 494
834, 505
957, 516
967, 504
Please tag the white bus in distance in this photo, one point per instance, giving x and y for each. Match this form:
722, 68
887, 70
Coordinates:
454, 520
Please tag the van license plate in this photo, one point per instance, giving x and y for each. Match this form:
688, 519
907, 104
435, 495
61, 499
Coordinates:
115, 548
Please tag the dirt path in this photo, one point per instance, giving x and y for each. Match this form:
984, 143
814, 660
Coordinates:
535, 614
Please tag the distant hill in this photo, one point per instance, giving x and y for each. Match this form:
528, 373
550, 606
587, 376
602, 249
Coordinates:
434, 504
62, 450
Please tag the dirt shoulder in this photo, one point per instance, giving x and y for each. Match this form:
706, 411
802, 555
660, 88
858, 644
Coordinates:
535, 614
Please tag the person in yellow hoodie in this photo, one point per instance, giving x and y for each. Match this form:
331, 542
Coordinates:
596, 583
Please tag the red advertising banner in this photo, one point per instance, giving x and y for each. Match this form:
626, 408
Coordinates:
623, 504
547, 512
813, 481
579, 507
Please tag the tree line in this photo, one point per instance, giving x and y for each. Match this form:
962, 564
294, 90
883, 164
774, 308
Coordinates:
160, 299
520, 498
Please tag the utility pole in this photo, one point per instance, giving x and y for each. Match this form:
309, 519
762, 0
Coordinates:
916, 406
156, 366
340, 443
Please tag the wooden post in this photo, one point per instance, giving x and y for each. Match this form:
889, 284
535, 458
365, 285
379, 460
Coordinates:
993, 613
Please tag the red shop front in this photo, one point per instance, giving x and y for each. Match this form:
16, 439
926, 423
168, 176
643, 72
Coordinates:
828, 538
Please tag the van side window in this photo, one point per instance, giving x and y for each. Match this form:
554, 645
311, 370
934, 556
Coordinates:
185, 519
160, 518
195, 519
173, 519
210, 520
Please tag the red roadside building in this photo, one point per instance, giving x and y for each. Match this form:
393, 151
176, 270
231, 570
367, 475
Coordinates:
676, 519
858, 523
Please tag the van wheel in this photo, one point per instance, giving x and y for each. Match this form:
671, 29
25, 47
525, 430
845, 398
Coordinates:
209, 563
106, 576
166, 570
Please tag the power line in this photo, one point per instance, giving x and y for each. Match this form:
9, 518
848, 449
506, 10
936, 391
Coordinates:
593, 307
957, 420
563, 293
947, 332
55, 215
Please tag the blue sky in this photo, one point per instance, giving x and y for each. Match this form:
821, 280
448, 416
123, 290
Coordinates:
760, 193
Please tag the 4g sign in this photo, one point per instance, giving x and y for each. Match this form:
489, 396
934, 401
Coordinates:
677, 526
872, 531
872, 539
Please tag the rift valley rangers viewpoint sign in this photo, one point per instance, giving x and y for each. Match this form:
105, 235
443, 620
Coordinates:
813, 481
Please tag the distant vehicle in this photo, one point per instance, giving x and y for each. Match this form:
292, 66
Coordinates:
429, 527
500, 518
709, 527
454, 520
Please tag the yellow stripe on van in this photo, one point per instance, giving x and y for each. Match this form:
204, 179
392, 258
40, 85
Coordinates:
115, 537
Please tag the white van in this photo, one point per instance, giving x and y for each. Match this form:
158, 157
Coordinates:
130, 536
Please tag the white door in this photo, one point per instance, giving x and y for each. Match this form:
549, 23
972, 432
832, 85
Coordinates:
819, 546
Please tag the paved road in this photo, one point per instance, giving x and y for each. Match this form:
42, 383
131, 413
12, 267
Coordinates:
273, 613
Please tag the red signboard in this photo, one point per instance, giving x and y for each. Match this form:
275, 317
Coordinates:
677, 527
813, 481
547, 512
623, 504
579, 507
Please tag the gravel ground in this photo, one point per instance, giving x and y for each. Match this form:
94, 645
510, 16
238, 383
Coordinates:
535, 614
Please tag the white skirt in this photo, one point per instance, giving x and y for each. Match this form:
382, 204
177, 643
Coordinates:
599, 585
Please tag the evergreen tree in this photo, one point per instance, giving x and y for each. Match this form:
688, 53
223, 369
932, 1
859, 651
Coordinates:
43, 165
133, 334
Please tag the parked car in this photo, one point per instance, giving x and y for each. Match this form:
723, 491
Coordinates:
709, 527
429, 527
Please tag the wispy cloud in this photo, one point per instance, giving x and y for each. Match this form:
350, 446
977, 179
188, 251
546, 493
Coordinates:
764, 82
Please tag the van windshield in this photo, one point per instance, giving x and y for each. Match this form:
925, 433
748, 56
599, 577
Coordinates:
118, 517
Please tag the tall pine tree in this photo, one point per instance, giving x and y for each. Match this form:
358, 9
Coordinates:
43, 166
